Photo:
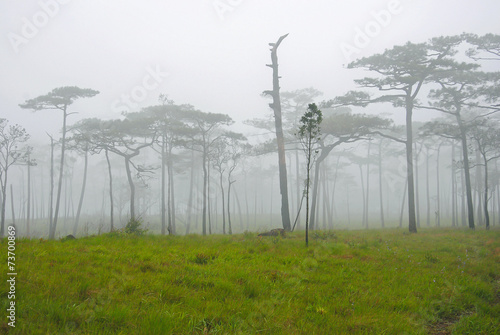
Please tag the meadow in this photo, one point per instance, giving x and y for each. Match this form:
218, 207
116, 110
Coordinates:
438, 281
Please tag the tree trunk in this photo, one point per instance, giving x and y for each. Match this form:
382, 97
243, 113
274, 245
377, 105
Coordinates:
162, 197
132, 188
367, 185
417, 193
110, 191
403, 205
230, 227
276, 106
52, 233
428, 218
172, 191
190, 198
4, 201
479, 194
465, 156
300, 194
382, 221
438, 202
51, 201
412, 224
82, 194
205, 184
486, 213
28, 212
223, 203
453, 188
363, 194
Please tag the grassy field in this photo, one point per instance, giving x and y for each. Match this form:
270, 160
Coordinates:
346, 282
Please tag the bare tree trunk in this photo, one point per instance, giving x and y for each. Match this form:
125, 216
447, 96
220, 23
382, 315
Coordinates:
412, 224
298, 190
428, 218
209, 210
172, 193
51, 195
438, 202
403, 205
417, 194
367, 184
28, 212
162, 197
382, 221
453, 188
205, 185
486, 213
190, 198
230, 227
82, 194
52, 233
132, 188
479, 181
223, 203
465, 156
276, 106
110, 191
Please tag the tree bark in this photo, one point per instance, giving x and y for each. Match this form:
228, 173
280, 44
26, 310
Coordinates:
412, 224
162, 206
132, 188
172, 192
382, 221
465, 156
438, 202
486, 213
367, 184
52, 233
276, 106
110, 191
82, 193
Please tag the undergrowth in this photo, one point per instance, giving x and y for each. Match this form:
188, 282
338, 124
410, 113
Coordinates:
348, 282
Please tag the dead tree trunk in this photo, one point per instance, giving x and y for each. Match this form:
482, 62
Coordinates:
276, 107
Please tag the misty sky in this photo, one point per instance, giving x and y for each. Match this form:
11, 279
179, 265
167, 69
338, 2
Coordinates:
208, 53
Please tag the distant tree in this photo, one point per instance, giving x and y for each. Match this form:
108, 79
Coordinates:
276, 107
486, 134
166, 119
459, 90
59, 98
402, 70
226, 153
336, 130
486, 47
203, 130
309, 135
80, 142
11, 138
125, 138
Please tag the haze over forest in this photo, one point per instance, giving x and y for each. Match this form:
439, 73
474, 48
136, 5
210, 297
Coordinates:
204, 62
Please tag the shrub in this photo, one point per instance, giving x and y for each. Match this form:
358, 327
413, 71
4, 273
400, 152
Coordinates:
134, 227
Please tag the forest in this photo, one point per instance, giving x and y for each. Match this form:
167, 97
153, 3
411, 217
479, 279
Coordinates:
180, 170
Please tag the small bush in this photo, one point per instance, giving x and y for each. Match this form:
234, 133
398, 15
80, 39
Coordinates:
133, 227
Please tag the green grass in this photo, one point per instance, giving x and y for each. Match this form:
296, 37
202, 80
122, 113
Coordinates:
347, 282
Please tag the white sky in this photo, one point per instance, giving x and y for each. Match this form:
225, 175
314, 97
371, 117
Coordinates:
215, 59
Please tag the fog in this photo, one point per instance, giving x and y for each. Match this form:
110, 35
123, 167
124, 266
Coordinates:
212, 54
